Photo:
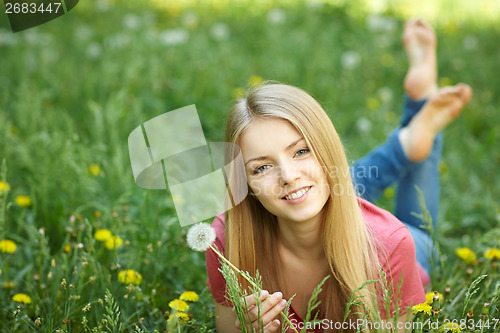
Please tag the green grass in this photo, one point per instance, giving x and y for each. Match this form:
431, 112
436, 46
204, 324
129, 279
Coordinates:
73, 89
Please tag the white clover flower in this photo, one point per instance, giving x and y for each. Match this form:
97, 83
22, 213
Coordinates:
131, 21
350, 59
93, 50
364, 125
190, 19
103, 5
174, 36
8, 38
470, 43
385, 94
276, 16
83, 32
200, 237
118, 41
377, 22
314, 4
37, 38
219, 31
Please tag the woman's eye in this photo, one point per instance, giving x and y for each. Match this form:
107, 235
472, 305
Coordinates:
260, 169
302, 152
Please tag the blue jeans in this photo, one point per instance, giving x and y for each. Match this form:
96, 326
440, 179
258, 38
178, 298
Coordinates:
387, 164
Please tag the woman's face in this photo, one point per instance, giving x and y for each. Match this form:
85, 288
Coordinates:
282, 172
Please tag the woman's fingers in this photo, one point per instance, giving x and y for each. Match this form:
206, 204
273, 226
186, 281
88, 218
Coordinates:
272, 327
270, 307
251, 302
271, 314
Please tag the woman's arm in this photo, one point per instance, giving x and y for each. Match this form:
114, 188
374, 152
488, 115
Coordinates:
225, 319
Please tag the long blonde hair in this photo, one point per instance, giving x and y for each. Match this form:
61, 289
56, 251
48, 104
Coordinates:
251, 231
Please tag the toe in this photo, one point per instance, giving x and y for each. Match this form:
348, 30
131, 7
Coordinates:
410, 23
465, 92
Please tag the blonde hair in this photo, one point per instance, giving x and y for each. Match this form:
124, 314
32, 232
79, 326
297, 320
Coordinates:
251, 230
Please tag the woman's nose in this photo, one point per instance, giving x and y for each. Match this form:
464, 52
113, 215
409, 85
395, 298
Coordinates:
288, 174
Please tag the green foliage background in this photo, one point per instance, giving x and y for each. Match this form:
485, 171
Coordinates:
73, 89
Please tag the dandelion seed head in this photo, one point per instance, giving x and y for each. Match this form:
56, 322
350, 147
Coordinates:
276, 16
350, 59
174, 36
219, 31
201, 236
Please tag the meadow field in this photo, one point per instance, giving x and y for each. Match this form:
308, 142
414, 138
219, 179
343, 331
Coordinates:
84, 249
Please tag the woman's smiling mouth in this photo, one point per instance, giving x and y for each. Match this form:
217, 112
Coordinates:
297, 194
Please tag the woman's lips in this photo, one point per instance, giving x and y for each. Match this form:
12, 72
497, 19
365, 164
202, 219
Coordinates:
297, 196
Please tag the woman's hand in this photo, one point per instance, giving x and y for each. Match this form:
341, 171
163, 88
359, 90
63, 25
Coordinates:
270, 308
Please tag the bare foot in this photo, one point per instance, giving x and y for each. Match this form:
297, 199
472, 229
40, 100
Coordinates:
418, 137
420, 45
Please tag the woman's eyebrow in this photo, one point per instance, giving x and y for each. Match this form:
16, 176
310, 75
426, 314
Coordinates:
290, 146
260, 158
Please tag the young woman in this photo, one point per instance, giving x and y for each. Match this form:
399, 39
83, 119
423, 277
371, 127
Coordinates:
303, 221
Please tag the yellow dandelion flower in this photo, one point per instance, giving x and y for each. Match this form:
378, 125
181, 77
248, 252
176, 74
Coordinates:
179, 305
23, 201
181, 316
466, 254
372, 103
130, 276
255, 81
7, 246
443, 168
94, 169
445, 81
178, 200
492, 254
189, 296
14, 130
4, 187
387, 60
8, 285
103, 235
451, 326
450, 28
21, 298
0, 271
238, 93
429, 297
113, 242
422, 307
389, 192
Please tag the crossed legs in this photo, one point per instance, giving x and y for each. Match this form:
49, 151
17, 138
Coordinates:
410, 156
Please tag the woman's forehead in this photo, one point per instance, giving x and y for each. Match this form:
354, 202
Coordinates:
265, 134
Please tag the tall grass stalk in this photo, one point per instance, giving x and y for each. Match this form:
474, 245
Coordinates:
235, 288
434, 263
470, 292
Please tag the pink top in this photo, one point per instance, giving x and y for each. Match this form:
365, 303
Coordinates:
389, 232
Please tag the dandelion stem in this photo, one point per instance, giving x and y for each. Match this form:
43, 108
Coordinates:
249, 279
